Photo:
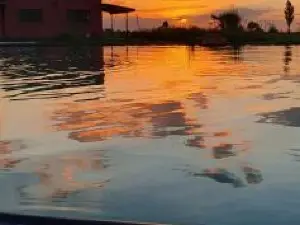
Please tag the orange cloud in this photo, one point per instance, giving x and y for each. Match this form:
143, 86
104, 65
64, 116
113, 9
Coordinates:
198, 11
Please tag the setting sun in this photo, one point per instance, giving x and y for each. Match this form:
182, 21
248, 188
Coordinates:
183, 22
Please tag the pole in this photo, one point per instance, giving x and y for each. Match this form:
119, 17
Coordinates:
112, 22
127, 24
138, 22
112, 53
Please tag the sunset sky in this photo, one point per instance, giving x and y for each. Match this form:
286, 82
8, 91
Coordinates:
196, 12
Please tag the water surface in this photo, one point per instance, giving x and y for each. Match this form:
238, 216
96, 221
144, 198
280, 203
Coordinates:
175, 135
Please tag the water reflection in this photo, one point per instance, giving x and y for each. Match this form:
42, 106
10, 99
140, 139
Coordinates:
197, 141
287, 59
287, 117
60, 177
99, 122
295, 152
253, 176
276, 96
237, 54
201, 100
223, 151
222, 175
49, 72
7, 161
234, 53
176, 106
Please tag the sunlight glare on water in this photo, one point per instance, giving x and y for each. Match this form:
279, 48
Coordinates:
179, 135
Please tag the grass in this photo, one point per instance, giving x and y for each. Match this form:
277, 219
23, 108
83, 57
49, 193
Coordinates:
262, 38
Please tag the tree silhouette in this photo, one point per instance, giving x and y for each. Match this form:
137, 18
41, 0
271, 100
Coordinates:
165, 24
289, 14
229, 20
273, 29
254, 27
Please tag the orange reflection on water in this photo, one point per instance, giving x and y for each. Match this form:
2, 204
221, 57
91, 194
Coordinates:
130, 120
58, 177
159, 94
6, 148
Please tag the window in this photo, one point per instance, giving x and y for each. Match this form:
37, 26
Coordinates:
78, 16
31, 15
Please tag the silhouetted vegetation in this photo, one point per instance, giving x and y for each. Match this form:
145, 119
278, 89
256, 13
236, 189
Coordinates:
254, 27
229, 31
289, 14
173, 35
178, 35
229, 20
165, 24
273, 29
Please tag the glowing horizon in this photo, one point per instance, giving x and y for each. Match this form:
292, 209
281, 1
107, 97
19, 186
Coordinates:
178, 8
196, 11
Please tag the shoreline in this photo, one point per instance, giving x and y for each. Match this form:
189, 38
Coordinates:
107, 44
232, 40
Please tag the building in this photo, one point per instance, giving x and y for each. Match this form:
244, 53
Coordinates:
52, 18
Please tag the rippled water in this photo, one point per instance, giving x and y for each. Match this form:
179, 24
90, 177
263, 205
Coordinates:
154, 134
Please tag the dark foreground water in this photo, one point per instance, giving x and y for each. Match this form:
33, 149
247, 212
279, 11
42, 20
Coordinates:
161, 134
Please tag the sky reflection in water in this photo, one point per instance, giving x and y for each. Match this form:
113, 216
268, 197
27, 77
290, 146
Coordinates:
160, 134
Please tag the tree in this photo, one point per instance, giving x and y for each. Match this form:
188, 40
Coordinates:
165, 24
229, 20
273, 29
254, 27
289, 14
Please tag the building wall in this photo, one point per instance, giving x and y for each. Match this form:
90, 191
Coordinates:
55, 21
1, 19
